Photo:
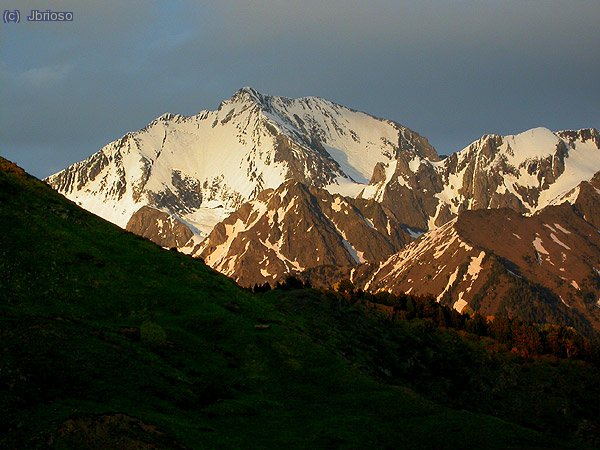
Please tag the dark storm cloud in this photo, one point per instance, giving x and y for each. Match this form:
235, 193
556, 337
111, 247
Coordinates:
450, 70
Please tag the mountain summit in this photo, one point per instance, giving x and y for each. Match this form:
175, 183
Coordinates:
203, 167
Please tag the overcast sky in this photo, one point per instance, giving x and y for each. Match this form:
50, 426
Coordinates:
450, 70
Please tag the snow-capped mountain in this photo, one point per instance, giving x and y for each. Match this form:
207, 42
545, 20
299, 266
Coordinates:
524, 172
279, 185
296, 227
545, 267
202, 168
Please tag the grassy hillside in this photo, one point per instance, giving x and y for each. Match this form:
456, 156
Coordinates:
109, 341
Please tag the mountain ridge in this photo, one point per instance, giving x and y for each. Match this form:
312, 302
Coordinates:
431, 190
294, 228
213, 184
474, 262
250, 149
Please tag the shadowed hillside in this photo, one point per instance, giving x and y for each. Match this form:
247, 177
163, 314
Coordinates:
108, 341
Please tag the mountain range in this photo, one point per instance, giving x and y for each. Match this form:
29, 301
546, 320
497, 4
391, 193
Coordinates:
268, 186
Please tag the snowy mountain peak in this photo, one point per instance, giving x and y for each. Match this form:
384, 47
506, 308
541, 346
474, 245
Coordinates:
526, 172
536, 143
248, 90
165, 117
203, 167
246, 95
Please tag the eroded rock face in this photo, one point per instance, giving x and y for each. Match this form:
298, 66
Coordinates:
582, 135
378, 174
160, 227
540, 268
411, 142
184, 196
409, 196
323, 169
294, 228
588, 200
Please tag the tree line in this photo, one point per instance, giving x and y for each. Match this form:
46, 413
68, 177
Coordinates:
526, 339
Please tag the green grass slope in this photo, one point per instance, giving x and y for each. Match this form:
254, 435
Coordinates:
108, 341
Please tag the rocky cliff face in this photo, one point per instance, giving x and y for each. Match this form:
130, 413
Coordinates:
586, 198
161, 228
498, 261
294, 228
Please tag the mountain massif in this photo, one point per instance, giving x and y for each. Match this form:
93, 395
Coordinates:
267, 186
203, 167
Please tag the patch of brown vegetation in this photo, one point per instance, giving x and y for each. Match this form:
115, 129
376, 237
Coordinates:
10, 167
112, 431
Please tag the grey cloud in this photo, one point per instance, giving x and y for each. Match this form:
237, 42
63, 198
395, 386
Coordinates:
45, 76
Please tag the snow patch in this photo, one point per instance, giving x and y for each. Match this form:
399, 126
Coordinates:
460, 304
564, 303
414, 233
559, 242
414, 164
466, 246
475, 265
537, 244
345, 187
451, 281
337, 204
564, 230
